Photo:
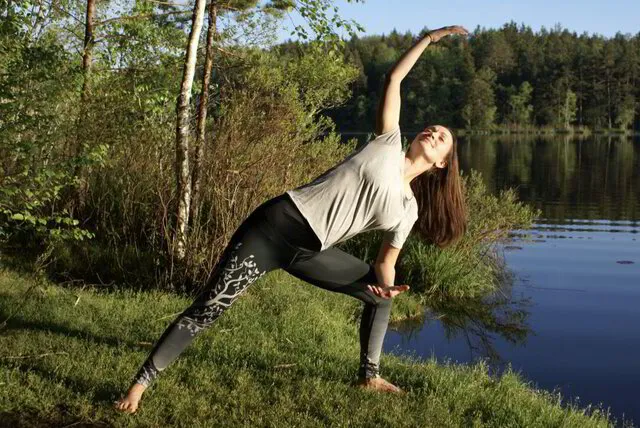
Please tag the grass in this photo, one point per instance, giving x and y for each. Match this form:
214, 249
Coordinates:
284, 355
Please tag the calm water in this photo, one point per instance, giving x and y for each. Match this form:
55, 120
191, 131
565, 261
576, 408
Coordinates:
571, 318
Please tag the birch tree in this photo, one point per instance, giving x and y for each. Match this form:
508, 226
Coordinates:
214, 7
314, 13
182, 131
202, 112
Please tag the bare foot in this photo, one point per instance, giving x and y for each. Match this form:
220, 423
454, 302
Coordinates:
129, 404
378, 384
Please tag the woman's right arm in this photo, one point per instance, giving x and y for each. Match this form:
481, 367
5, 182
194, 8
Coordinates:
388, 115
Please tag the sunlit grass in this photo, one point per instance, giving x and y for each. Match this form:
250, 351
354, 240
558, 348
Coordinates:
286, 354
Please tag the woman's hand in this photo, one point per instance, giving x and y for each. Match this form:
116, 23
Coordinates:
436, 35
388, 115
387, 292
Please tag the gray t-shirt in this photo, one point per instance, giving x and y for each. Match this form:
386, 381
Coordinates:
363, 192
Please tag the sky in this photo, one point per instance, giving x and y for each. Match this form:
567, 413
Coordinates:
605, 17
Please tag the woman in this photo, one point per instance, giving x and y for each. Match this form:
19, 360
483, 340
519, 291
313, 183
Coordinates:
370, 189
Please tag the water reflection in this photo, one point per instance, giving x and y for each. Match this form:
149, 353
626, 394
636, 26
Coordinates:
569, 324
592, 178
477, 322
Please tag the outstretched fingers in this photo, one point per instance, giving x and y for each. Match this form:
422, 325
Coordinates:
458, 29
387, 292
436, 35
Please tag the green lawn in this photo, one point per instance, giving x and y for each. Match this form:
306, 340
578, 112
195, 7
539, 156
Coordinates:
284, 355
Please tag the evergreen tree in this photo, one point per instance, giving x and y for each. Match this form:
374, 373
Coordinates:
583, 80
479, 110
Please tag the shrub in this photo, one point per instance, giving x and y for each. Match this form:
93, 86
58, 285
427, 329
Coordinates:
36, 85
265, 137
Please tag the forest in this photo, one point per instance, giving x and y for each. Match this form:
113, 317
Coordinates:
511, 78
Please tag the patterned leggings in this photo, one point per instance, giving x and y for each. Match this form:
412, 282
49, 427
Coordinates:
275, 236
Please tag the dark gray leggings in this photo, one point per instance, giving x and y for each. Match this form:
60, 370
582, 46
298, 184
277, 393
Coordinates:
274, 236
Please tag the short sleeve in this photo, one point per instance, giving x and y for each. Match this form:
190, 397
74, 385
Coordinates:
399, 234
389, 138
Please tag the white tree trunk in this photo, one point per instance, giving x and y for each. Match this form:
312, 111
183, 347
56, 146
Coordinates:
202, 114
183, 132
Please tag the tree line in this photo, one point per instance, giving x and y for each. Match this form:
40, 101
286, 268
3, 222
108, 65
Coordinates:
512, 77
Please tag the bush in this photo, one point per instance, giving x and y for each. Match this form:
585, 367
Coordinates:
473, 266
265, 137
36, 91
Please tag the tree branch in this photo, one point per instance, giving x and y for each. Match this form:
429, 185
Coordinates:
228, 52
69, 14
166, 3
142, 16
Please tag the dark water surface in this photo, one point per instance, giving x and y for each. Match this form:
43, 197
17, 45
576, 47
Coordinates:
571, 319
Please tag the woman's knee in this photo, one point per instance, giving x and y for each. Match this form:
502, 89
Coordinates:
384, 303
376, 301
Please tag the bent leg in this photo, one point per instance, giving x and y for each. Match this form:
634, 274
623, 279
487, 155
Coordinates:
335, 270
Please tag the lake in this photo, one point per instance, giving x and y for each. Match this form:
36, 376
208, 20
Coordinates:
570, 321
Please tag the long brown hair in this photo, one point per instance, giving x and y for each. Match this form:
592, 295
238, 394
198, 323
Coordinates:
442, 216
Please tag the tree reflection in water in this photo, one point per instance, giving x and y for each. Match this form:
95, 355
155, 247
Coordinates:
479, 321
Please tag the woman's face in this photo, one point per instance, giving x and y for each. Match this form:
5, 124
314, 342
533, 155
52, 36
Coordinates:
433, 144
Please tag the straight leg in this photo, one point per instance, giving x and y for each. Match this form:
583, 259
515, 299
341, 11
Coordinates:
250, 254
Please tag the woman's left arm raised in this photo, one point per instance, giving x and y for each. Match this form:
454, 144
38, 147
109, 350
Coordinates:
388, 115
